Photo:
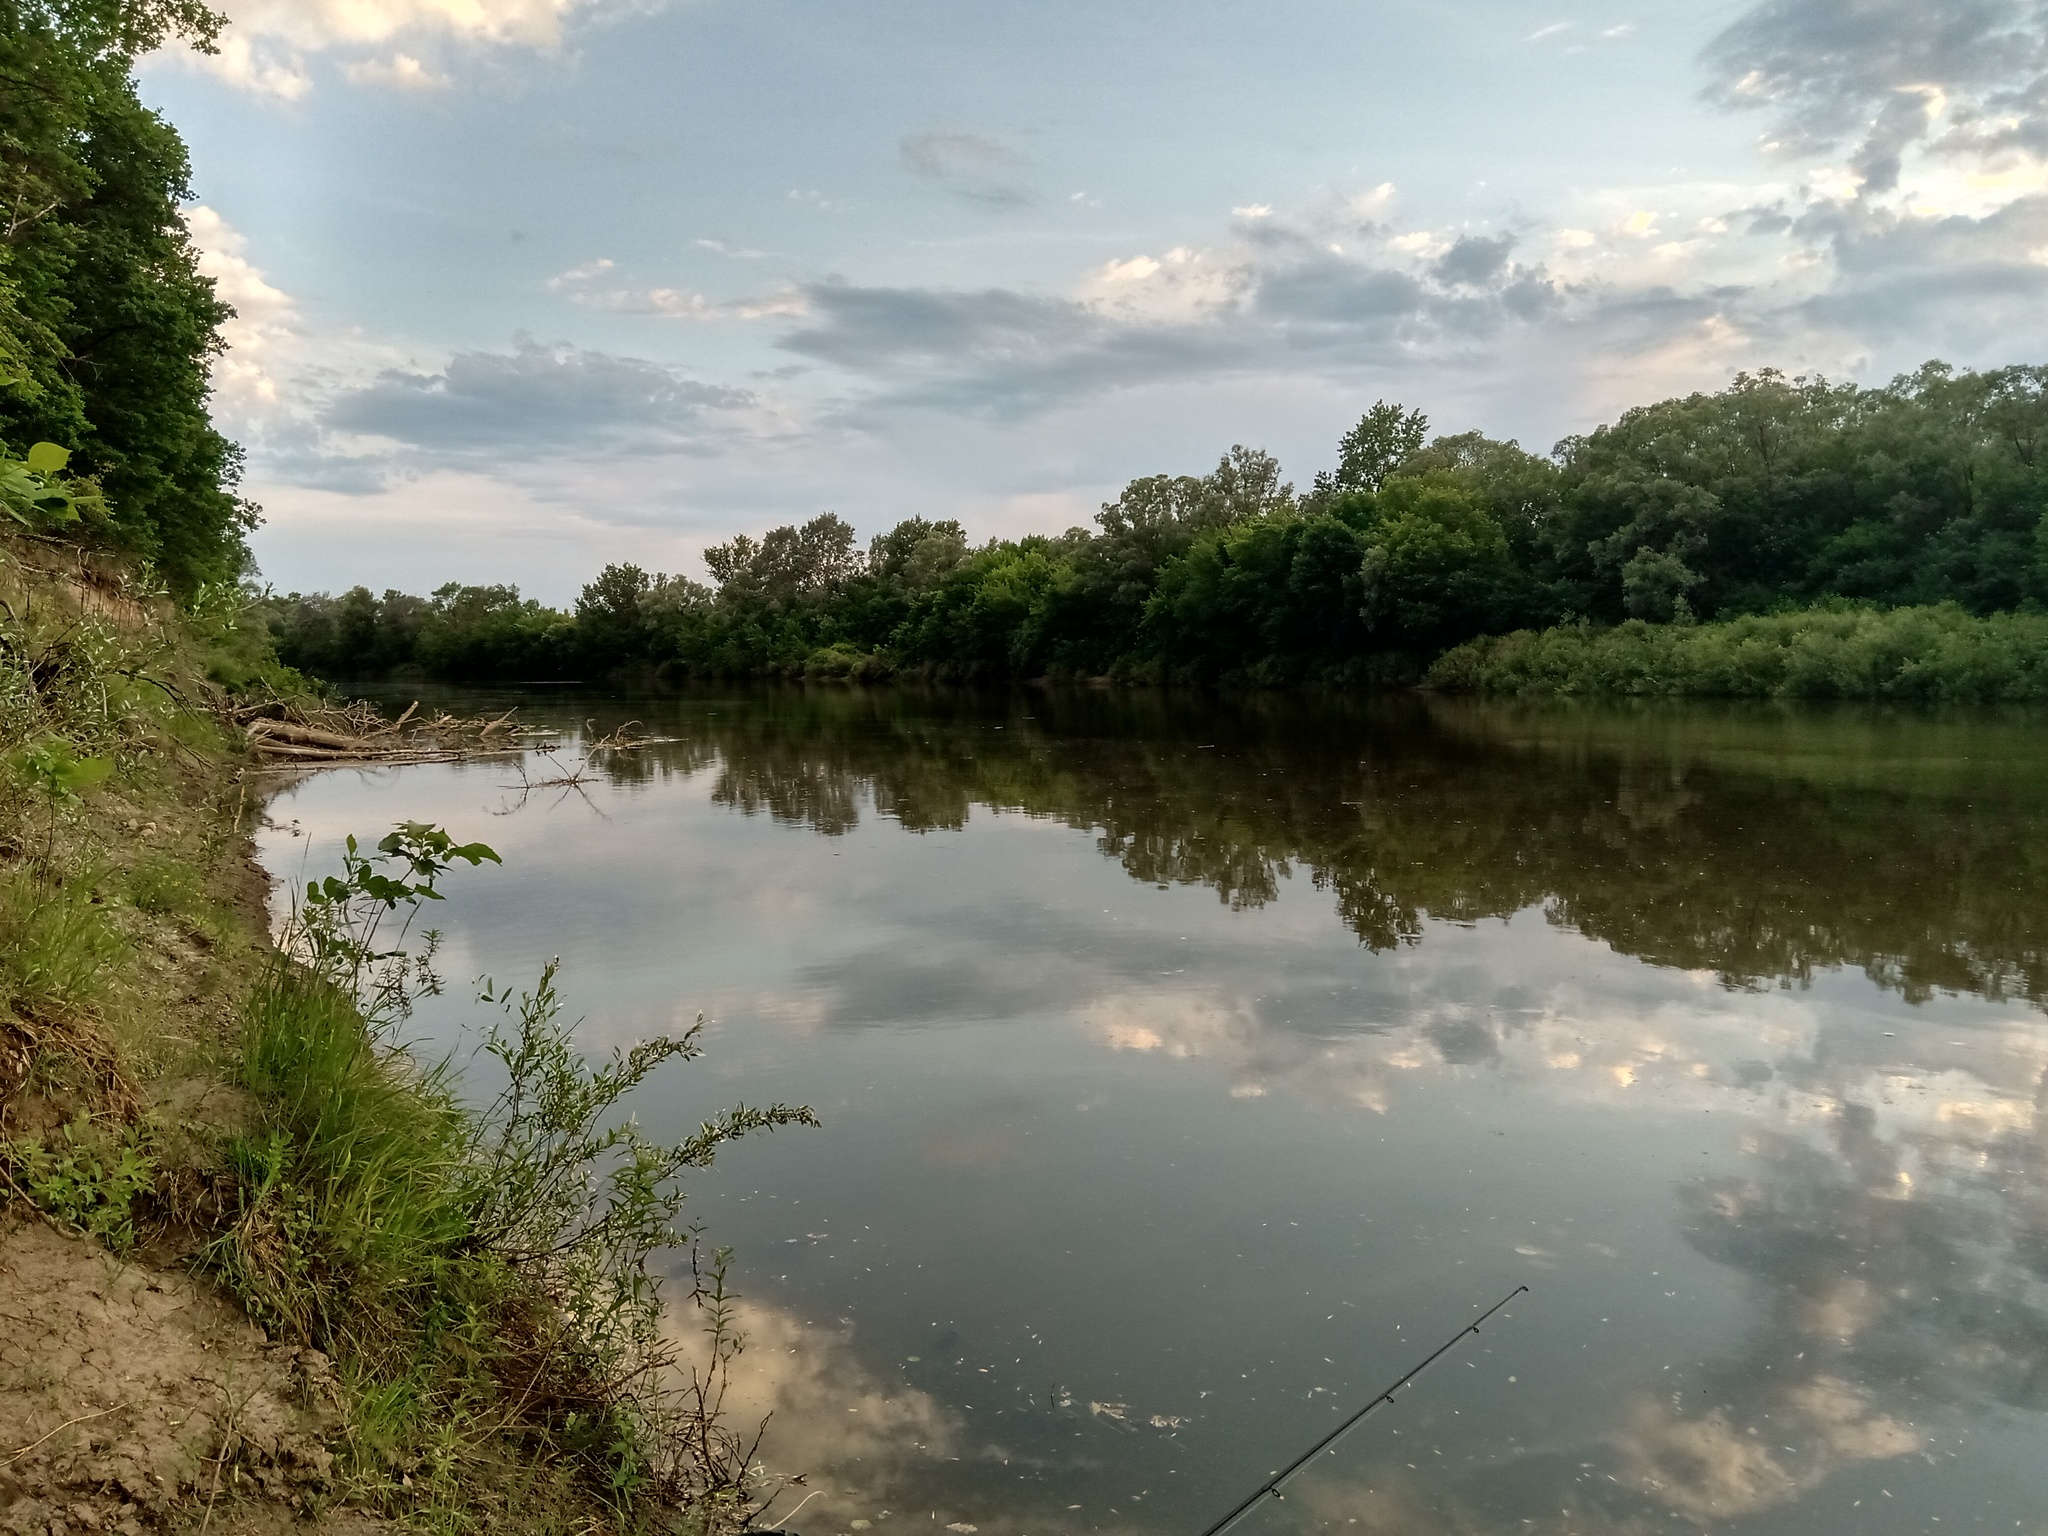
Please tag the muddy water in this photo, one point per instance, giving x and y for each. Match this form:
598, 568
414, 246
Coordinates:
1190, 1070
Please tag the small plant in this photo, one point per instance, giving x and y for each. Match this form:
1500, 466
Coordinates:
578, 1202
165, 888
58, 776
30, 491
717, 1474
56, 947
335, 933
54, 769
476, 1273
88, 1183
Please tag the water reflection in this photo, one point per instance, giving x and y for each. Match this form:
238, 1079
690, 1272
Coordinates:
1721, 1024
1907, 846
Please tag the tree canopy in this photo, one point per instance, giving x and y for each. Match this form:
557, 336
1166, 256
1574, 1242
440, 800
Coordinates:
107, 328
1775, 493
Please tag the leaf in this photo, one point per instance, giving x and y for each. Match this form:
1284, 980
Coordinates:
48, 458
83, 773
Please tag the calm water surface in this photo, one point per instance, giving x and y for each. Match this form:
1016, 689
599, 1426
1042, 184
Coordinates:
1190, 1070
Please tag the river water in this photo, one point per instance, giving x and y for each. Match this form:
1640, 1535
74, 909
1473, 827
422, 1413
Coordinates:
1189, 1070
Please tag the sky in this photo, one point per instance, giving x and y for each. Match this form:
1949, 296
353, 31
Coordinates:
524, 287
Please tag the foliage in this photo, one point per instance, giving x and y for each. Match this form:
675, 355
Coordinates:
1749, 838
107, 329
335, 931
467, 1266
54, 769
1386, 438
36, 493
87, 1183
578, 1202
1773, 493
1934, 654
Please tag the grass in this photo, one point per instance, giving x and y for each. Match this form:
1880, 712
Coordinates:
481, 1280
173, 1085
1937, 654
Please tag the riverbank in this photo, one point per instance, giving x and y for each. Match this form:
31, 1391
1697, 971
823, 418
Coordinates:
1936, 654
261, 1269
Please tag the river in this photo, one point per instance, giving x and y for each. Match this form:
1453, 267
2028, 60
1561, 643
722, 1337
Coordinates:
1190, 1069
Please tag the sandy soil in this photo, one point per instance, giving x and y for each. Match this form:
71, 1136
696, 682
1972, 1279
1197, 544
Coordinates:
134, 1399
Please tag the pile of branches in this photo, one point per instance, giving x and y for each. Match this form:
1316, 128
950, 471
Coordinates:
301, 732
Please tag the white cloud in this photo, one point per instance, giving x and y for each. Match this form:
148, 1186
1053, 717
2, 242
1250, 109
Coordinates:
267, 43
576, 276
1367, 206
265, 325
580, 284
256, 66
1182, 285
314, 24
401, 71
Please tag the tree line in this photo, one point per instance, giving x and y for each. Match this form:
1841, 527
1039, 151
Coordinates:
1775, 493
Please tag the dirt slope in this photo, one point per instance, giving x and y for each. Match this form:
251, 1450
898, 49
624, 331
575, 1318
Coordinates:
133, 1398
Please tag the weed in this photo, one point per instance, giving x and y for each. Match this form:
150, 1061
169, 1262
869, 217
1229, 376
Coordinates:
478, 1276
88, 1183
335, 933
165, 888
55, 945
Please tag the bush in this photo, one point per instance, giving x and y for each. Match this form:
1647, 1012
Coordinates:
1931, 654
471, 1267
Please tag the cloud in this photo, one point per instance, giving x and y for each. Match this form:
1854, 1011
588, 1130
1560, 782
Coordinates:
1366, 207
1884, 74
949, 154
969, 164
854, 1436
1183, 285
266, 46
583, 285
265, 323
401, 70
1473, 261
1280, 303
312, 24
538, 401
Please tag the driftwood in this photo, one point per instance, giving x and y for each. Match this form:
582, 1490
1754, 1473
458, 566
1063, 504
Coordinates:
269, 733
292, 733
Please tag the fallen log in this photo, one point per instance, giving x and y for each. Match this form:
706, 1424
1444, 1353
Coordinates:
305, 735
290, 749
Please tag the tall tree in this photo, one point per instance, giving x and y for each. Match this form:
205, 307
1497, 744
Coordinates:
107, 329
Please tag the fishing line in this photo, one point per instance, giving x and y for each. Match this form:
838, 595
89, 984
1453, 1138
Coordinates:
1272, 1484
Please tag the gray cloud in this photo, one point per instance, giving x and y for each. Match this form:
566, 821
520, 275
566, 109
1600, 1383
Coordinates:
1842, 71
1474, 261
540, 400
1959, 285
950, 154
971, 166
1298, 306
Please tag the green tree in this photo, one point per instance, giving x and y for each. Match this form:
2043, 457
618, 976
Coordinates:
1437, 568
107, 330
1384, 439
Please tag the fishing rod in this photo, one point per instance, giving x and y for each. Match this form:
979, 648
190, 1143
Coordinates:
1272, 1484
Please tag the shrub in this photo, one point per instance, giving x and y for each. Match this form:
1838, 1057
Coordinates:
1931, 654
